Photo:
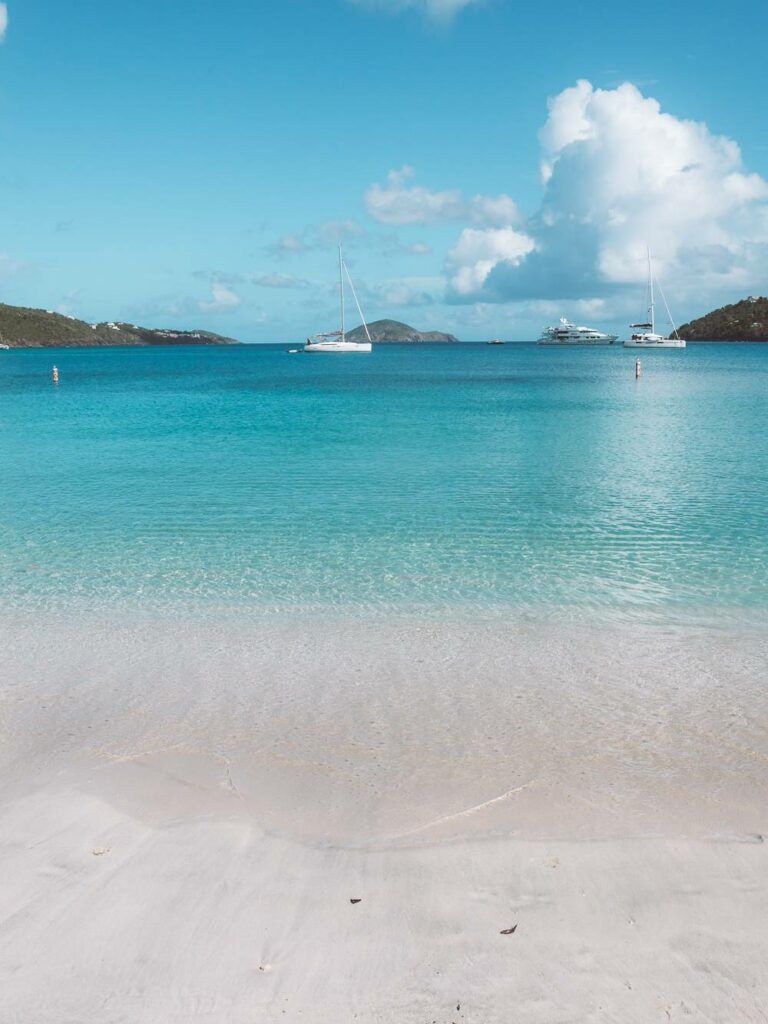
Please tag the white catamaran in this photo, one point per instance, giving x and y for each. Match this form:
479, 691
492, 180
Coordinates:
645, 335
336, 341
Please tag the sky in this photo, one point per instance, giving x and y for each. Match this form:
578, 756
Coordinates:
488, 165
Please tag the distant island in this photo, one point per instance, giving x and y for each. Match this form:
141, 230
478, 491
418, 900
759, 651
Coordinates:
743, 321
392, 331
21, 327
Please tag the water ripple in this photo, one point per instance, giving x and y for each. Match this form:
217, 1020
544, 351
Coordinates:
442, 478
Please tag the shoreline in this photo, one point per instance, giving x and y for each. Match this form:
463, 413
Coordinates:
107, 611
533, 729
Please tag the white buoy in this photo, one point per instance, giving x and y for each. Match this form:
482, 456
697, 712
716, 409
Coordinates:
638, 369
55, 375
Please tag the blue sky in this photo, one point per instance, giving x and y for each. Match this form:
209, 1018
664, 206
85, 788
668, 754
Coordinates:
188, 164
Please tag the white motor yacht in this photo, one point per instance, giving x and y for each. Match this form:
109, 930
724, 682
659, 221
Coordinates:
567, 333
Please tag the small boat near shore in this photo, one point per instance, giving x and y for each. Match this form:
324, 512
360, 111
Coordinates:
645, 335
336, 341
495, 341
567, 333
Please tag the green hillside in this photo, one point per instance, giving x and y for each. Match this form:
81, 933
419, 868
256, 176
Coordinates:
743, 321
21, 327
392, 331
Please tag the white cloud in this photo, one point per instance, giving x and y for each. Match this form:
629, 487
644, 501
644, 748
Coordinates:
437, 10
397, 202
478, 251
222, 299
3, 20
402, 293
494, 211
274, 280
620, 174
593, 310
289, 245
317, 236
353, 235
331, 232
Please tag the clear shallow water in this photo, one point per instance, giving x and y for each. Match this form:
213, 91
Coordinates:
462, 477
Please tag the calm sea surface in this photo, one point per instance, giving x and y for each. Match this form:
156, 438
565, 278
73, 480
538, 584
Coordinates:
438, 478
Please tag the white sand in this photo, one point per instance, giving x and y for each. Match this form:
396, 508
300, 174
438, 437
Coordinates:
186, 811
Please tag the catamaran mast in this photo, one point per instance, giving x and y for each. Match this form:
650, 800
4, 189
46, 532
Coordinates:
341, 291
651, 310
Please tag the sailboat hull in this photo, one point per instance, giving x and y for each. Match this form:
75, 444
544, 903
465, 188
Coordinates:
660, 343
606, 339
338, 346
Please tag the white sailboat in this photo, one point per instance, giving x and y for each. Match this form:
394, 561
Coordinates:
336, 341
645, 335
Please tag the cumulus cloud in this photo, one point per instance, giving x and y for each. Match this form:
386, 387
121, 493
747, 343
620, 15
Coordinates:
437, 10
3, 20
477, 252
222, 299
618, 174
398, 202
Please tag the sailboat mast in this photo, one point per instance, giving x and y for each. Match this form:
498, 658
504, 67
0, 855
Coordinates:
650, 292
357, 302
341, 291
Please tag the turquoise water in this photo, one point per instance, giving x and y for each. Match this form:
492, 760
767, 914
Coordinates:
443, 477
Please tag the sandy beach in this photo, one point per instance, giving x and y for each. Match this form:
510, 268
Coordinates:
189, 810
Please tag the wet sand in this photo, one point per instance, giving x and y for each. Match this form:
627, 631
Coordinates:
187, 809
